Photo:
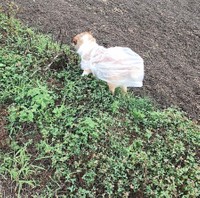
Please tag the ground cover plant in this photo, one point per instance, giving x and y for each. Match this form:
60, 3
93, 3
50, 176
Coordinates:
63, 135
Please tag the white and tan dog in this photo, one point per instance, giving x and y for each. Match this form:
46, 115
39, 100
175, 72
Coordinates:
118, 66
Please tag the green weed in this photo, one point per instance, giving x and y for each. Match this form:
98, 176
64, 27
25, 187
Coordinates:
71, 138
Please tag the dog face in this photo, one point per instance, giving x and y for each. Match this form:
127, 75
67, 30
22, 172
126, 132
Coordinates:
82, 38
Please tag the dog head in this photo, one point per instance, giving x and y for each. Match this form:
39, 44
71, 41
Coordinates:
83, 38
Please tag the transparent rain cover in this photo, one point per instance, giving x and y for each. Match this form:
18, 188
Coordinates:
119, 66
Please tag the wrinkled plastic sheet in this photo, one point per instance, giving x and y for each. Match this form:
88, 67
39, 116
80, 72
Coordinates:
119, 66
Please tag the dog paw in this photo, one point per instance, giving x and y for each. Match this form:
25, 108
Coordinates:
84, 73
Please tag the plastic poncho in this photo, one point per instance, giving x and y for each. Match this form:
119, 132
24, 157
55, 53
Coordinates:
119, 66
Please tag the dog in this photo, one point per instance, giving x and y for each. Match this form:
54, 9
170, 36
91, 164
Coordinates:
118, 66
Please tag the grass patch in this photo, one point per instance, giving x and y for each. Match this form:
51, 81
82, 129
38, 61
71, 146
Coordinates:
64, 135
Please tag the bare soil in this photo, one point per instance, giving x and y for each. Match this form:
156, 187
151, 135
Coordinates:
165, 33
4, 137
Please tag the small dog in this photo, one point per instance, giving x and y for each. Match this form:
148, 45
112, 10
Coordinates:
118, 66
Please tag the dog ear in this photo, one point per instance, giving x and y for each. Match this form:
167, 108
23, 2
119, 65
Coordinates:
74, 40
90, 31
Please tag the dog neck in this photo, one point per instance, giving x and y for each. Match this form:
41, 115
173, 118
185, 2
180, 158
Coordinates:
85, 49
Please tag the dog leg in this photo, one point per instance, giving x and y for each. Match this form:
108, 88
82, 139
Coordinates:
124, 89
86, 72
112, 88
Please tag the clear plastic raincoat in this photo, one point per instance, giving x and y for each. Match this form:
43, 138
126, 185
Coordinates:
116, 65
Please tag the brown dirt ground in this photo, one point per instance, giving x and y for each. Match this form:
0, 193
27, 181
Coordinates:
165, 33
4, 137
